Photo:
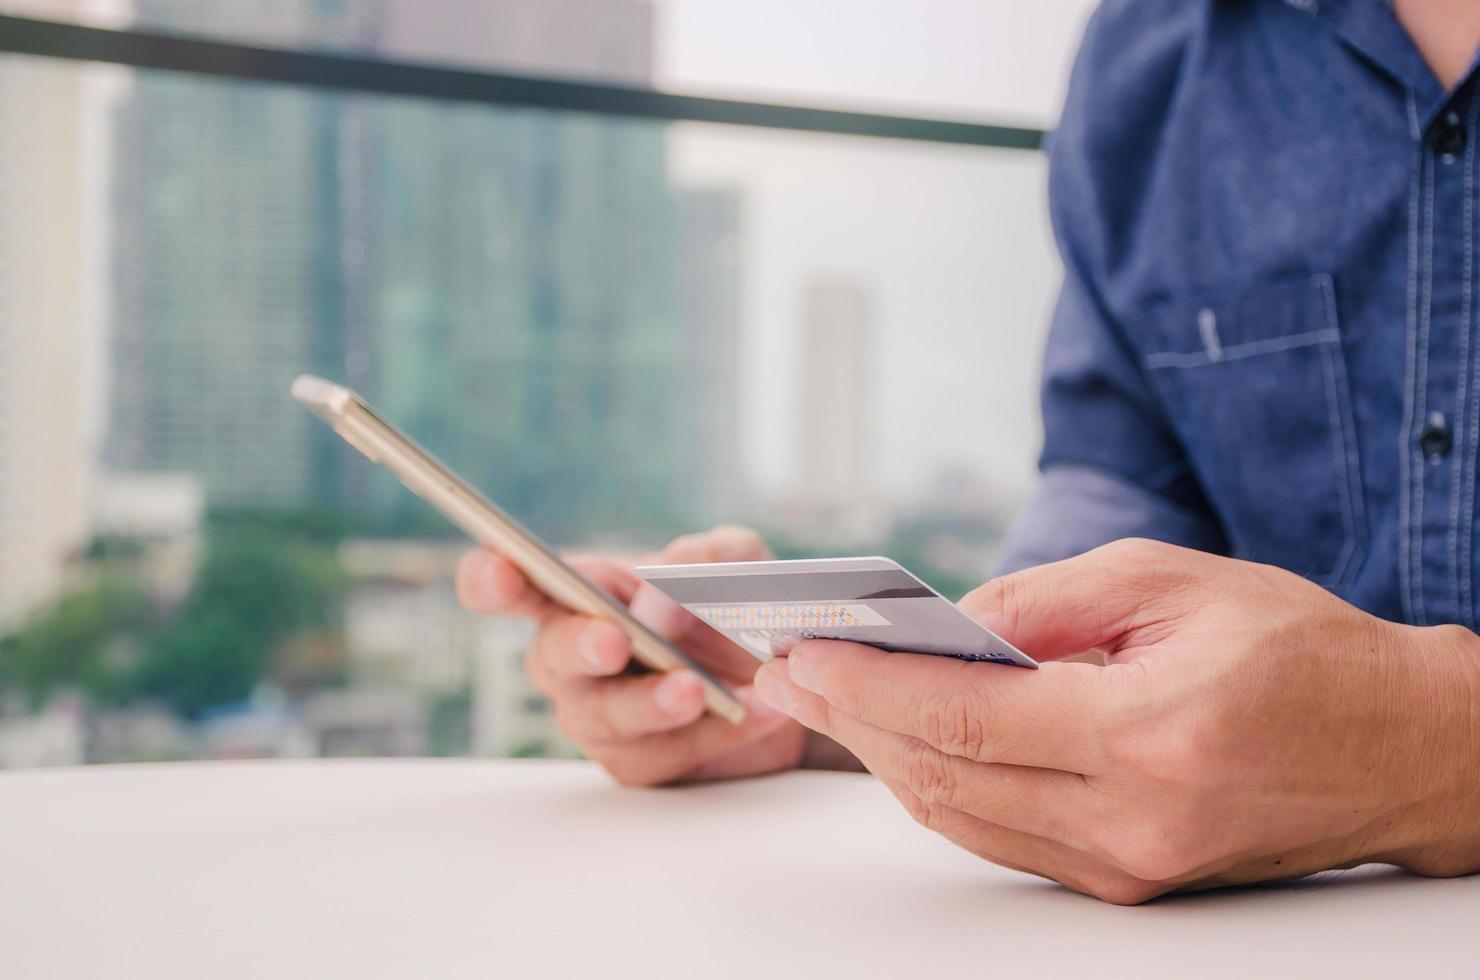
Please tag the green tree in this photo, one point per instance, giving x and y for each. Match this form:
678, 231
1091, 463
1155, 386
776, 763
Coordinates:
258, 586
75, 643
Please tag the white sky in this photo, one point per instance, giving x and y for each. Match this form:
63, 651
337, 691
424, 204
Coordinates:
954, 241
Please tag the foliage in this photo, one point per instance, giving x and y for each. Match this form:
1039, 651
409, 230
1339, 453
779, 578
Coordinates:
449, 729
266, 578
258, 586
70, 644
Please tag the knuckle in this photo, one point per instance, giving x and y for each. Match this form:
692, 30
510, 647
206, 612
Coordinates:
1134, 563
1449, 865
1120, 890
922, 811
1173, 755
988, 596
1145, 755
1010, 600
954, 725
1156, 851
927, 775
1135, 550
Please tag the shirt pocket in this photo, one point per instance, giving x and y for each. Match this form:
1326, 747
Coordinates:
1256, 387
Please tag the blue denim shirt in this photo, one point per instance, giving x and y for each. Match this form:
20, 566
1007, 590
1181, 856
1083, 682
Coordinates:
1266, 342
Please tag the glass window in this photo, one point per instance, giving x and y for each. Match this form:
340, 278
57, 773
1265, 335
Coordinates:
620, 330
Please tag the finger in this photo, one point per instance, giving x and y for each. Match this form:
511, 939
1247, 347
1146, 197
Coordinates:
1019, 851
1096, 600
621, 709
728, 542
775, 751
662, 615
1044, 802
568, 645
676, 624
487, 583
1056, 717
665, 757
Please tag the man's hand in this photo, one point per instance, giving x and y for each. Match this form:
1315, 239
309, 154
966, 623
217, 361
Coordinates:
646, 729
1247, 725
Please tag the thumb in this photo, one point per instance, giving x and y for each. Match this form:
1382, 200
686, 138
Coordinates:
1096, 601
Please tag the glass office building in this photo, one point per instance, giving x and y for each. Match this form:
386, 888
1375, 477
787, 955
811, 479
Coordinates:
433, 256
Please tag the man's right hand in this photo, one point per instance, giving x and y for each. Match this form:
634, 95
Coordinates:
646, 729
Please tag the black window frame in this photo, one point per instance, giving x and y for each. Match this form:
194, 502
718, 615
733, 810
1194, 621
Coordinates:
393, 77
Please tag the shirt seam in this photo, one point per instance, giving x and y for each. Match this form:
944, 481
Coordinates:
1421, 387
1457, 481
1405, 485
1252, 348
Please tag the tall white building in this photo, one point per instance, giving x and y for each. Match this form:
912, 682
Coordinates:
43, 448
840, 394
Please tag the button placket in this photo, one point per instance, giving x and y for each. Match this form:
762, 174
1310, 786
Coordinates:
1436, 438
1448, 137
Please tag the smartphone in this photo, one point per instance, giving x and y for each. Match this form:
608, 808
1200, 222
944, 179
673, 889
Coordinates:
487, 524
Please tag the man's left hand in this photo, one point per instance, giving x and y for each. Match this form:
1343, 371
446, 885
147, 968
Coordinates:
1247, 725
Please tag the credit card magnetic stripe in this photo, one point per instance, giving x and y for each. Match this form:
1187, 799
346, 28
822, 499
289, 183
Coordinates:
796, 587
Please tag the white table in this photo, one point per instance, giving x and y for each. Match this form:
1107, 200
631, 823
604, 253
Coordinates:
494, 869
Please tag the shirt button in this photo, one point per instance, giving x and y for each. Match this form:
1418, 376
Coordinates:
1449, 137
1436, 440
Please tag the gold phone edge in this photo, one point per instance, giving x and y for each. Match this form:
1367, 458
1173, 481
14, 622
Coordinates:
381, 442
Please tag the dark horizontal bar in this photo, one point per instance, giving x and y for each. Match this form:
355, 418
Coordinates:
317, 69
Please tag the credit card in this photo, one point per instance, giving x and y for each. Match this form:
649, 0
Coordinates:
766, 607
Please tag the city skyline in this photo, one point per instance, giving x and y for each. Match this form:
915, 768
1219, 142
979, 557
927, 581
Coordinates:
619, 329
509, 286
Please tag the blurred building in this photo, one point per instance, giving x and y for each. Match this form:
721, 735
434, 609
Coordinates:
228, 271
508, 285
404, 628
511, 718
710, 282
840, 433
55, 736
366, 721
402, 622
43, 449
159, 516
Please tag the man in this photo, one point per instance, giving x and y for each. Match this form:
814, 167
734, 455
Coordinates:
1266, 347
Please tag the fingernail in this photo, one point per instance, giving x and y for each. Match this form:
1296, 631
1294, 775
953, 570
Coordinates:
676, 693
771, 689
803, 674
590, 650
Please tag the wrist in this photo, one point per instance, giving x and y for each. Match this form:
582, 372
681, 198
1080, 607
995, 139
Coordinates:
1440, 770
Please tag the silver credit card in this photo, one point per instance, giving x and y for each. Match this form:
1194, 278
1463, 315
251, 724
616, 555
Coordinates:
769, 606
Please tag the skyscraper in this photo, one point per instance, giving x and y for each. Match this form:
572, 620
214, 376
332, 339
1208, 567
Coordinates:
530, 326
42, 441
710, 284
504, 283
839, 382
227, 262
